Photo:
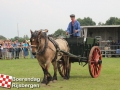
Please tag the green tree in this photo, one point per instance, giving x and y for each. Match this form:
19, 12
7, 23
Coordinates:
16, 37
20, 39
113, 21
26, 37
2, 37
100, 23
86, 21
59, 32
13, 39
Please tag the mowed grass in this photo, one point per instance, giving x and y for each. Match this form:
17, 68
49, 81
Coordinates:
80, 79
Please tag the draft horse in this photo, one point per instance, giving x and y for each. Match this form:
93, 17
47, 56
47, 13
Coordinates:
47, 52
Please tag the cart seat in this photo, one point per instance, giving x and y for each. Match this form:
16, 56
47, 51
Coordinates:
75, 40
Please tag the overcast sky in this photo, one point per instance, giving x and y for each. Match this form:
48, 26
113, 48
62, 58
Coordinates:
51, 14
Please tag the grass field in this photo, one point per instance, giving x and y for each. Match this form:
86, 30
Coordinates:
80, 78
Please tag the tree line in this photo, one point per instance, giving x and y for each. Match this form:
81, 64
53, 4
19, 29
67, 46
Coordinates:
20, 39
86, 21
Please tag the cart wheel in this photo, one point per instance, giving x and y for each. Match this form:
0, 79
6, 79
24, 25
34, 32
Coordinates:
62, 69
95, 62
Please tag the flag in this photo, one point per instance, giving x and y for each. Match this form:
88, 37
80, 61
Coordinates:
5, 81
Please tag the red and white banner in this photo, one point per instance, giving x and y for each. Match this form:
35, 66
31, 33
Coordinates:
5, 81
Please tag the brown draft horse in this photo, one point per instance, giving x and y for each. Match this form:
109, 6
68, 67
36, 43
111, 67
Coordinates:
47, 53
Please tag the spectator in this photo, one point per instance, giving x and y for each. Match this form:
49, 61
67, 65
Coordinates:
14, 49
4, 50
28, 47
9, 50
25, 49
113, 42
0, 51
113, 45
7, 53
21, 50
17, 50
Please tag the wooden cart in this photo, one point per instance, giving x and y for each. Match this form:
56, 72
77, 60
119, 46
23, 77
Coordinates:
83, 50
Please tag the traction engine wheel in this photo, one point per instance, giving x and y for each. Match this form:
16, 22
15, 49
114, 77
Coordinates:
95, 62
62, 68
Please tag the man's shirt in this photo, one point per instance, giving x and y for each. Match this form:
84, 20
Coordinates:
76, 26
14, 45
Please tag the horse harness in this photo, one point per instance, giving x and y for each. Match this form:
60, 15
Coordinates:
46, 46
56, 46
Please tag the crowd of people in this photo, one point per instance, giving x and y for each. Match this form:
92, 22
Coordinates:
15, 50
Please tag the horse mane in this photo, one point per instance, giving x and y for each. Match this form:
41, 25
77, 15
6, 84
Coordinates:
35, 34
43, 35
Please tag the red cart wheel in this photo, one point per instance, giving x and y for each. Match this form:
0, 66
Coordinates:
95, 62
62, 68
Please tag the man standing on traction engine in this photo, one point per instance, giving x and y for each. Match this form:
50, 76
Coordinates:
74, 27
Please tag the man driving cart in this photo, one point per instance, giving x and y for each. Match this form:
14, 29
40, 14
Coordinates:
73, 27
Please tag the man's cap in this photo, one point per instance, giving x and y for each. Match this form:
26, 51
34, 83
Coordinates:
72, 15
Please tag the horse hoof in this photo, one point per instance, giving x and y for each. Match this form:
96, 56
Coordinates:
42, 84
54, 81
66, 78
50, 81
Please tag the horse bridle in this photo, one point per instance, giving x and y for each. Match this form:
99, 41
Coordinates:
33, 45
39, 51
